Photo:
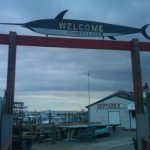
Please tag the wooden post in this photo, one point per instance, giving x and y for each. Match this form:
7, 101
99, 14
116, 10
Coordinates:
141, 118
137, 77
10, 88
148, 108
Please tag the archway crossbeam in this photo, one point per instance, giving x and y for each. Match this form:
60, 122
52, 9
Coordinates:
134, 46
73, 43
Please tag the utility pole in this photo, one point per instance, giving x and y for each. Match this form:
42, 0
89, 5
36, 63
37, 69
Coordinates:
89, 88
89, 96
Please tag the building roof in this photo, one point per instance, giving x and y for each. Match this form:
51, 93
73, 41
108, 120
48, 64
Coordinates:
122, 94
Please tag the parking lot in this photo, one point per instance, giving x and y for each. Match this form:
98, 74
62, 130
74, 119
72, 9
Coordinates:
119, 140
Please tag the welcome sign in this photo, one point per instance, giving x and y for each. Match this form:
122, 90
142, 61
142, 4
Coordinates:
79, 28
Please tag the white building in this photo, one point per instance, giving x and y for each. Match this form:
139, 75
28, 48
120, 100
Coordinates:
116, 109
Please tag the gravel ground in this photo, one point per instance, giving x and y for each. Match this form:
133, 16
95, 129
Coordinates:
120, 140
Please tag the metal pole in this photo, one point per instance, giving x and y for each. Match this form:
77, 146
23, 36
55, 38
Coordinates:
89, 95
141, 118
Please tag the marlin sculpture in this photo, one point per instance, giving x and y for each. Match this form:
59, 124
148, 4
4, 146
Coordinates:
79, 28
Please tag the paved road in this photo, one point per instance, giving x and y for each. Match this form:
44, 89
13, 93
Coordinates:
121, 140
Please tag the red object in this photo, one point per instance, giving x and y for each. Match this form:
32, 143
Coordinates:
73, 43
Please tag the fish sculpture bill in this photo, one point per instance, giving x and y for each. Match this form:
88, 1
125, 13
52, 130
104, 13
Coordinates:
79, 28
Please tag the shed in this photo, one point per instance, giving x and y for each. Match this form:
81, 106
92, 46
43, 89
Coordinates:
115, 109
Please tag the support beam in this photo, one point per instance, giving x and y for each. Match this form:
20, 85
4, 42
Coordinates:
10, 87
73, 43
141, 117
137, 77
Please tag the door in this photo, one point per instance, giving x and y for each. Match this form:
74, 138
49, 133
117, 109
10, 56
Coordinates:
114, 117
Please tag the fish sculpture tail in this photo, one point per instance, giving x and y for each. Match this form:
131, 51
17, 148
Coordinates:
143, 30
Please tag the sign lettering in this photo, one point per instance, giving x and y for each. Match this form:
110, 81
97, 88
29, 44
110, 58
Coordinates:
81, 27
95, 29
110, 106
62, 25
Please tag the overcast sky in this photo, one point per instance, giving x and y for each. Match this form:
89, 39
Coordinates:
57, 78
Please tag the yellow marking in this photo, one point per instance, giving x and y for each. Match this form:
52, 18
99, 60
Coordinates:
94, 28
101, 28
75, 27
81, 27
69, 26
62, 25
87, 27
